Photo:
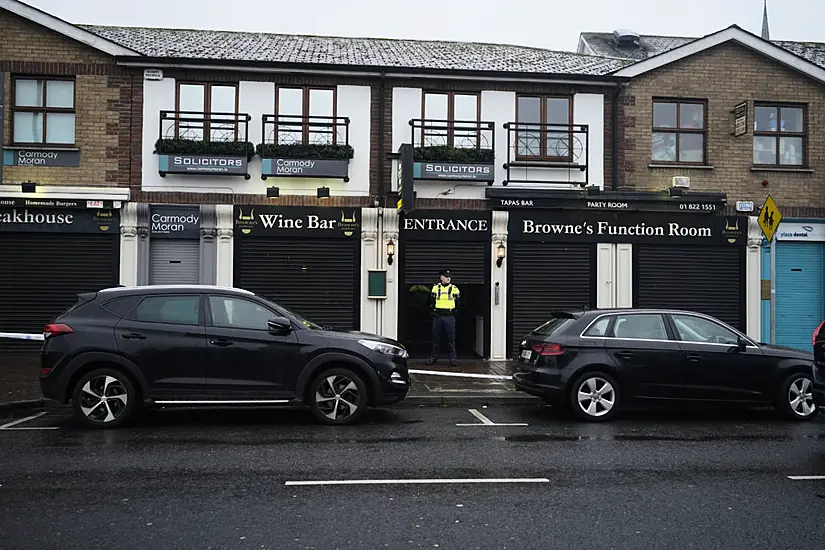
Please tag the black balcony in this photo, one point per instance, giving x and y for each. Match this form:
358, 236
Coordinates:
201, 143
305, 147
547, 153
453, 149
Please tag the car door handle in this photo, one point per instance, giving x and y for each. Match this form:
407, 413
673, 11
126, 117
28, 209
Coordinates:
693, 358
624, 354
133, 336
220, 343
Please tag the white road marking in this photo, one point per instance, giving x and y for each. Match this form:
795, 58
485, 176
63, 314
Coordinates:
16, 422
461, 374
806, 478
22, 336
416, 481
486, 421
32, 428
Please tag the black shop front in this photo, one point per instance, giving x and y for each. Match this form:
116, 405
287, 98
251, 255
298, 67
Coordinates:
458, 240
306, 259
52, 250
680, 259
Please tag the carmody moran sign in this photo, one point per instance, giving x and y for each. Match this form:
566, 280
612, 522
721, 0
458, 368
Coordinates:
41, 157
202, 164
627, 227
305, 168
453, 171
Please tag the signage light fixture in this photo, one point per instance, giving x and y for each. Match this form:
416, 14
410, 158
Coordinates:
273, 192
501, 253
390, 251
29, 186
323, 192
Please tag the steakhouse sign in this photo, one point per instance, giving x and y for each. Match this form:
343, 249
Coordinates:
628, 227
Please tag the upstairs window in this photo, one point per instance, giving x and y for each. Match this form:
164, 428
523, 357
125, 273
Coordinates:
441, 110
43, 111
544, 128
779, 135
307, 116
207, 112
679, 132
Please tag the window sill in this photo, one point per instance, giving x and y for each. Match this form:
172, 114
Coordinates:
780, 169
682, 166
39, 147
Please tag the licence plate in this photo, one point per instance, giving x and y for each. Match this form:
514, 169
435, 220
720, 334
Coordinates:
526, 354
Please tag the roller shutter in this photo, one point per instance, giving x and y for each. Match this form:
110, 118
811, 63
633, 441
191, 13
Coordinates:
174, 262
800, 282
424, 259
707, 279
545, 277
316, 278
42, 275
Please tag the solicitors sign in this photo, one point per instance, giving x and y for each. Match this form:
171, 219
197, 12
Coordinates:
627, 227
453, 171
202, 164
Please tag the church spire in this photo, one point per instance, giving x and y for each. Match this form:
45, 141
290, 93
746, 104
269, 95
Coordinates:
766, 33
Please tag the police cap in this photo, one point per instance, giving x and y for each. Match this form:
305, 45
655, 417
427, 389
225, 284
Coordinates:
445, 272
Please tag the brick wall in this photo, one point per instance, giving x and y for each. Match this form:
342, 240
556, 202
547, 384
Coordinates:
726, 75
108, 105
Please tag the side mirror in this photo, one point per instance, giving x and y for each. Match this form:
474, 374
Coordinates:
279, 324
741, 344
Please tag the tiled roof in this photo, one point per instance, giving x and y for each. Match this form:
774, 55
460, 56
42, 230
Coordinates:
356, 52
602, 43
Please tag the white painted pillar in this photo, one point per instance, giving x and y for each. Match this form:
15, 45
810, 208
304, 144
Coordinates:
225, 252
389, 232
624, 275
128, 244
369, 260
498, 288
753, 278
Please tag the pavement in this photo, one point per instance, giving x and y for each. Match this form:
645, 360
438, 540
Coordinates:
487, 383
500, 477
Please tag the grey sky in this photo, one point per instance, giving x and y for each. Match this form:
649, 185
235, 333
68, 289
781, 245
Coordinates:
553, 24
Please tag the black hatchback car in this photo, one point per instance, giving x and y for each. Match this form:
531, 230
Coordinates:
121, 348
597, 360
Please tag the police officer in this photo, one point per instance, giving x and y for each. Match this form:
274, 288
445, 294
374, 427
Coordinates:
444, 301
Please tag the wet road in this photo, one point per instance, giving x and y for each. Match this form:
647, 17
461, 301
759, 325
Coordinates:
218, 479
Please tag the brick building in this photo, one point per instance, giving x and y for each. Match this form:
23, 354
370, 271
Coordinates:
741, 114
66, 112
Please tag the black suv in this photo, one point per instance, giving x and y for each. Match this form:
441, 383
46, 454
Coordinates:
595, 361
120, 348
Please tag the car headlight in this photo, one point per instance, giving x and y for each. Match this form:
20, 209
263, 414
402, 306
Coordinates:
386, 349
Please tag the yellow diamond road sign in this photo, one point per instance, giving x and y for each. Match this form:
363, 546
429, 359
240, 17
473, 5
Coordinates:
769, 218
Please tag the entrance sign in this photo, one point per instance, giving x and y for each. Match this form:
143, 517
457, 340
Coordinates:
452, 225
769, 218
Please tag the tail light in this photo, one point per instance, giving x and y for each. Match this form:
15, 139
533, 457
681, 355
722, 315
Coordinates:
816, 332
56, 330
549, 349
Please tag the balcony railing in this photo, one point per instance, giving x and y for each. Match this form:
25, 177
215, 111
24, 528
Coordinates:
192, 142
453, 149
547, 153
305, 146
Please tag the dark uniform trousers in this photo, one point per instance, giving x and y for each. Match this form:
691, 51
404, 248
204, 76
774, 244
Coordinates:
443, 329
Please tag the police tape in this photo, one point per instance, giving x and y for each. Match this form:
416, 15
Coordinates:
21, 336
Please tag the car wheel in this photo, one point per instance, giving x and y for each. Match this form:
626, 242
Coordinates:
594, 397
104, 398
796, 400
337, 397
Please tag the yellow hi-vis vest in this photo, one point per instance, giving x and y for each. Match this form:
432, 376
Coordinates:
445, 296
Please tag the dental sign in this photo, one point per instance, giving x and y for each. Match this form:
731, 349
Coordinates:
627, 227
176, 222
805, 231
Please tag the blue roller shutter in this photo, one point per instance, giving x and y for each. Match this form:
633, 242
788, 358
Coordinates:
799, 292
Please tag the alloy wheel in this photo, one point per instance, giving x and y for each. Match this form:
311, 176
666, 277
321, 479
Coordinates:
103, 399
800, 397
596, 396
337, 397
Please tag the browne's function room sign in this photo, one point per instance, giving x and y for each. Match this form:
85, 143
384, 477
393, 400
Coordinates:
627, 227
286, 221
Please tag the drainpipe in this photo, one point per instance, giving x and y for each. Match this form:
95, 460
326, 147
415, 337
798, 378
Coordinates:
614, 143
381, 140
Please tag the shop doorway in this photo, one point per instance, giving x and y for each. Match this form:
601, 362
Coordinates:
421, 262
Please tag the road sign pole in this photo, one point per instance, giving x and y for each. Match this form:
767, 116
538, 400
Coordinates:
773, 290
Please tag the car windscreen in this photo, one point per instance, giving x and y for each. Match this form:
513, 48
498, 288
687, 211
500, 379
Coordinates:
555, 325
